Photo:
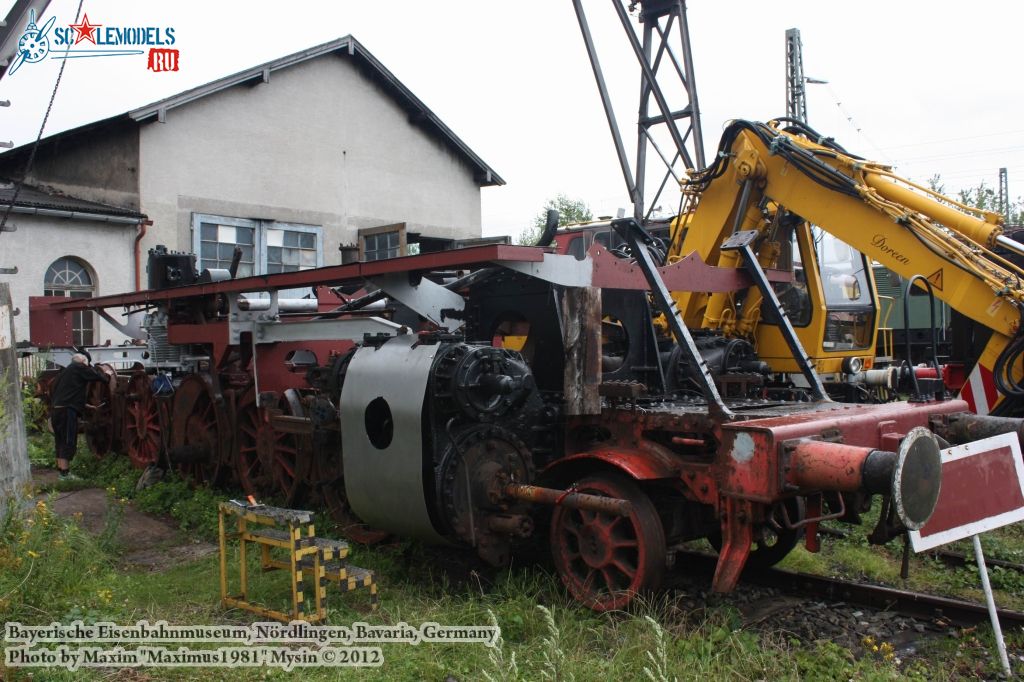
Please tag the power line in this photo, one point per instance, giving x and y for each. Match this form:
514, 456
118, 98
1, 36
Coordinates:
849, 119
957, 155
954, 139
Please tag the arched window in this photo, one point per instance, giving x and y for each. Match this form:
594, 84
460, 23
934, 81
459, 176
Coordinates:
70, 277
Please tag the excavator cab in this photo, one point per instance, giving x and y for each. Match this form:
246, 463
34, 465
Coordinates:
830, 299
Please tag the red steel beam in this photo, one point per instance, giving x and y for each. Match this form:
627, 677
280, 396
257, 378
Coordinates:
330, 275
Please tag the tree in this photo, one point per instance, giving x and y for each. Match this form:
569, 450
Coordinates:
570, 211
987, 199
983, 197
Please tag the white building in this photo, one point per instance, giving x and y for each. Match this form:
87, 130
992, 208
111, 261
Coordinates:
63, 246
289, 160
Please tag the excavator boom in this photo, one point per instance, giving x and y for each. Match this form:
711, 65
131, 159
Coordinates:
797, 189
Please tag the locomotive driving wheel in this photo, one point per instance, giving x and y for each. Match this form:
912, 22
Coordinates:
604, 559
255, 441
100, 420
142, 436
199, 431
291, 454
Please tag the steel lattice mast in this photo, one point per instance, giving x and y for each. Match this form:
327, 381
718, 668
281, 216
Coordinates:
668, 121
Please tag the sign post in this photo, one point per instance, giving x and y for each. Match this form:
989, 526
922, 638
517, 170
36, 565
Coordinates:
991, 602
982, 489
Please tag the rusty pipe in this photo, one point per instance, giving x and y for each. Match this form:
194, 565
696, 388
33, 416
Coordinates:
137, 252
566, 498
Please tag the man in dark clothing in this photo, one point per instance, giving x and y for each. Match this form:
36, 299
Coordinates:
70, 390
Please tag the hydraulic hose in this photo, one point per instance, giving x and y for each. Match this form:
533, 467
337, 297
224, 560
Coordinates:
1002, 370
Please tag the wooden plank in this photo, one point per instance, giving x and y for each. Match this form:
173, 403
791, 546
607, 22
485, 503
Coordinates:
581, 336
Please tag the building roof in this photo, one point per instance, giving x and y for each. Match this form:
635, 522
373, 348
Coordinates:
348, 47
37, 198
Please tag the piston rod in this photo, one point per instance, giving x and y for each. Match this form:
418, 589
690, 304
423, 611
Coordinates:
567, 498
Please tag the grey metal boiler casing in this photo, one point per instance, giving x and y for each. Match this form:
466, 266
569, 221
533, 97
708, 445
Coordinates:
382, 437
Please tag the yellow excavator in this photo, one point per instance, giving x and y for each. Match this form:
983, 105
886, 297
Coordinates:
817, 217
807, 220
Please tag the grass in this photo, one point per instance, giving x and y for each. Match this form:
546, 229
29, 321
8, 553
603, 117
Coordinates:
52, 570
853, 557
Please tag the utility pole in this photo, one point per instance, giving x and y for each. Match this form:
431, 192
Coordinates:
796, 94
1004, 195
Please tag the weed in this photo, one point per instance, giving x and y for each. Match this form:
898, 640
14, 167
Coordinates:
107, 538
504, 665
34, 409
555, 666
48, 565
659, 657
40, 450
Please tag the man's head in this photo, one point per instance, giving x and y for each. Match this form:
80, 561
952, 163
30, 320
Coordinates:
79, 359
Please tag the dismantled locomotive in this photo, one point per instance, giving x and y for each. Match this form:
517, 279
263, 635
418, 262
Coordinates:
488, 395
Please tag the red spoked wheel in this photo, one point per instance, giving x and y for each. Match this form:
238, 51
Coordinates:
291, 454
142, 437
100, 422
200, 435
258, 448
605, 560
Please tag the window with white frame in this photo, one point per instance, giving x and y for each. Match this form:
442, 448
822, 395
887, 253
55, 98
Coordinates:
70, 277
268, 246
386, 241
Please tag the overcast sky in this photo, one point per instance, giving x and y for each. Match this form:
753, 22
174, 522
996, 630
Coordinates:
929, 86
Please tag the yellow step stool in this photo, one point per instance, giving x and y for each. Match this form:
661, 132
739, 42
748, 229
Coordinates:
310, 559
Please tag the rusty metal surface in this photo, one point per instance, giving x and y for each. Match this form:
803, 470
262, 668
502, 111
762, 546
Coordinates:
47, 326
967, 426
688, 274
568, 498
821, 465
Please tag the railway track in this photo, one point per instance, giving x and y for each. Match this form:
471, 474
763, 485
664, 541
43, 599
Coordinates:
960, 560
913, 604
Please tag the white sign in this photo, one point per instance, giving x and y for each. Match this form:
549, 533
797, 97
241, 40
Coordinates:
982, 489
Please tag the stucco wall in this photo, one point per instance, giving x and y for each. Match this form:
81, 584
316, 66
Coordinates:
105, 248
319, 144
15, 472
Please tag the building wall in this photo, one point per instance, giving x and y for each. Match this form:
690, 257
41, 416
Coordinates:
320, 144
96, 163
105, 248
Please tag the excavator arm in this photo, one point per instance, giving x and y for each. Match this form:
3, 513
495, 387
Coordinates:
796, 189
